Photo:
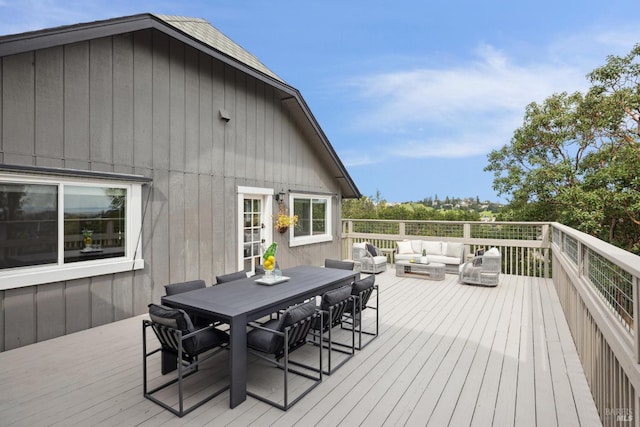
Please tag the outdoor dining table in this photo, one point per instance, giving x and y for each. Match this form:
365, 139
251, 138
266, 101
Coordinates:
242, 301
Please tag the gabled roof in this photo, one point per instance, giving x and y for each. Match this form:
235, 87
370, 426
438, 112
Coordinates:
210, 35
200, 35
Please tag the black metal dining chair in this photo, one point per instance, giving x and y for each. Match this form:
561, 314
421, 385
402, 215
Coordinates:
275, 340
333, 306
191, 285
352, 320
178, 337
335, 263
231, 277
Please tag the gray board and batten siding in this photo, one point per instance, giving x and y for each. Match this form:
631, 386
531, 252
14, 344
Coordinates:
144, 102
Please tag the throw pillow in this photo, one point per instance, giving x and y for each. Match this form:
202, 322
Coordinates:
404, 247
361, 245
372, 249
432, 248
493, 252
454, 249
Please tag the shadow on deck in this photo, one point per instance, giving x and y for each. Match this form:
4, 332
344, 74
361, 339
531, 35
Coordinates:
447, 354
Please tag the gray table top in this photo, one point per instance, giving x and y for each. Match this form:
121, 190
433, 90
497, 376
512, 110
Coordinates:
246, 297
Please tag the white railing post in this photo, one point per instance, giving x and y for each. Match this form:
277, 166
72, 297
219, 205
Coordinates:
636, 310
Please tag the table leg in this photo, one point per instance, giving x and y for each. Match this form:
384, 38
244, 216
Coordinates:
238, 361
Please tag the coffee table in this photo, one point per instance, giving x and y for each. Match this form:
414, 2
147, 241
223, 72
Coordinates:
431, 271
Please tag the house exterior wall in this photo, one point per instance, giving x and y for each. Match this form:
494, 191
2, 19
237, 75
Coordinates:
144, 103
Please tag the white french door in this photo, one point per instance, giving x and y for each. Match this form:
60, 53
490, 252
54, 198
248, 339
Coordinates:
254, 225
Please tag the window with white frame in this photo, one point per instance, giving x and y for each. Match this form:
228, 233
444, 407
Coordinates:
54, 229
314, 219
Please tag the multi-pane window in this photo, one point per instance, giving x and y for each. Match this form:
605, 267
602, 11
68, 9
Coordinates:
314, 219
51, 228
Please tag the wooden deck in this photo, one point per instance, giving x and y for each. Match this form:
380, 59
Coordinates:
447, 354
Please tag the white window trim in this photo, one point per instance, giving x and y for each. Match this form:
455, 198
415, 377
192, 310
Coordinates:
320, 238
266, 216
36, 275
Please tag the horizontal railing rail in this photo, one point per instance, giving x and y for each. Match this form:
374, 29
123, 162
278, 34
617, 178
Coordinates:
597, 285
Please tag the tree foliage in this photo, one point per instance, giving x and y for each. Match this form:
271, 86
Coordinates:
576, 157
367, 208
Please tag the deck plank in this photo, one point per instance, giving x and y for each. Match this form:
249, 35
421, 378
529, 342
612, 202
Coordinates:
447, 354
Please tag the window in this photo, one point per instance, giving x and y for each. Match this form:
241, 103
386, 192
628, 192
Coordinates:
62, 229
314, 219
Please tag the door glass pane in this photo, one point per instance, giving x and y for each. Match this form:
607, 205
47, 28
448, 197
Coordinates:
252, 232
28, 225
94, 223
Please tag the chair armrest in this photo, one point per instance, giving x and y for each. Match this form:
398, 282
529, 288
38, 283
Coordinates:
360, 253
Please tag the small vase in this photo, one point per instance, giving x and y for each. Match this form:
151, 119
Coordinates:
283, 229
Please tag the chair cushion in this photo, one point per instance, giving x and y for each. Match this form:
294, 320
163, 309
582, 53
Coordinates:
231, 277
178, 288
335, 296
171, 317
363, 284
296, 313
372, 249
343, 265
404, 247
270, 343
264, 341
361, 245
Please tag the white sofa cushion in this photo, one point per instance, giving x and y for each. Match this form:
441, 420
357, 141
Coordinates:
444, 259
432, 248
404, 247
416, 246
454, 249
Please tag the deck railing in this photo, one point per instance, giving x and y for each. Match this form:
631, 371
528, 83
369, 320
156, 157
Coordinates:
524, 246
597, 285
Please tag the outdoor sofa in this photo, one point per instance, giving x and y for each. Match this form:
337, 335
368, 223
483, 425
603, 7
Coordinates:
451, 254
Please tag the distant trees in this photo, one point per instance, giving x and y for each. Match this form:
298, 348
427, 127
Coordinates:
452, 209
576, 157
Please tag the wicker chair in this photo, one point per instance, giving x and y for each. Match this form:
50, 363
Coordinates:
368, 258
483, 270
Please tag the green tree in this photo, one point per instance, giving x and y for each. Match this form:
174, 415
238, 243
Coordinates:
576, 156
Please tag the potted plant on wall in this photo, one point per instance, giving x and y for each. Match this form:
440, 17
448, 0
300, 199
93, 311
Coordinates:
284, 220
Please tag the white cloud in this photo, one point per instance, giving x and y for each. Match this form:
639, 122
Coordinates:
474, 106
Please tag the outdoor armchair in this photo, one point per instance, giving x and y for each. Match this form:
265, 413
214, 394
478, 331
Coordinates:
275, 340
483, 269
361, 291
368, 258
178, 336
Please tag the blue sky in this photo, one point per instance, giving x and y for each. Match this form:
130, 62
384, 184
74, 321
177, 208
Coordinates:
413, 95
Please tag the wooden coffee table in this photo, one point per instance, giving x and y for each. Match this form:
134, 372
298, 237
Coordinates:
431, 271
